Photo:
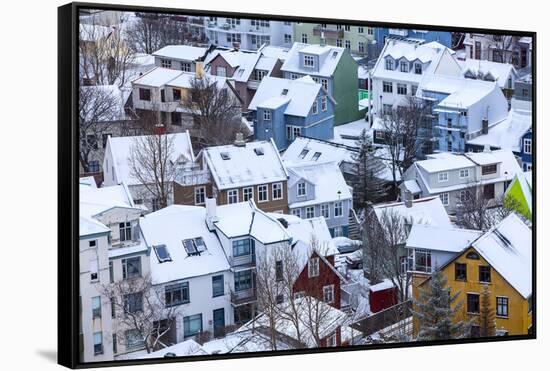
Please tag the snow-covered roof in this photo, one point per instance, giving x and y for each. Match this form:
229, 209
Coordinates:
239, 166
330, 185
181, 52
183, 349
440, 238
500, 72
328, 151
508, 133
412, 186
169, 227
157, 77
251, 221
88, 180
384, 285
185, 80
329, 57
243, 340
299, 94
444, 161
508, 249
469, 94
121, 149
428, 210
352, 130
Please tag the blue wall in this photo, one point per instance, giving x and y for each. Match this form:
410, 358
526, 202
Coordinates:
527, 158
442, 37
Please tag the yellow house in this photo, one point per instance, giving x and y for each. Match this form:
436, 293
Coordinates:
501, 259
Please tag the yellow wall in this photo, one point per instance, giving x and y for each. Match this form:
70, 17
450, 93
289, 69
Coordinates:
518, 321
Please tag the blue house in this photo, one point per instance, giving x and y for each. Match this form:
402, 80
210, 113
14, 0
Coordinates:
285, 109
527, 150
442, 37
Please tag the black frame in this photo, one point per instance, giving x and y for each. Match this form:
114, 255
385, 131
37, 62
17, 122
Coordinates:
68, 275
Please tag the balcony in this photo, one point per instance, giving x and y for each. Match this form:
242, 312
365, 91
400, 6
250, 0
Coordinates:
328, 32
244, 261
243, 296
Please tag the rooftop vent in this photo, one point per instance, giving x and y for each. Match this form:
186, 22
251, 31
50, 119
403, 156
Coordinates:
259, 151
239, 140
285, 92
225, 156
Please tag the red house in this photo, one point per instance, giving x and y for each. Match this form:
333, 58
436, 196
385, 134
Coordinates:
382, 295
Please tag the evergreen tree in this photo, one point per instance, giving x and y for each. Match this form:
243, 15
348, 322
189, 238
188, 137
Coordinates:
487, 325
368, 187
436, 310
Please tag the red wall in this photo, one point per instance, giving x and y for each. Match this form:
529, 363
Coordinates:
382, 299
314, 286
338, 338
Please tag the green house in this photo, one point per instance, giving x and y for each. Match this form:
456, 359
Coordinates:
520, 194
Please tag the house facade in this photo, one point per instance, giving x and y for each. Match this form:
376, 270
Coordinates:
332, 67
381, 35
499, 48
286, 109
501, 260
184, 58
248, 171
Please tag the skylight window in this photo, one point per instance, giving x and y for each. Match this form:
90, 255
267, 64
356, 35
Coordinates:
304, 153
190, 248
162, 253
199, 244
225, 156
316, 156
334, 54
259, 151
285, 92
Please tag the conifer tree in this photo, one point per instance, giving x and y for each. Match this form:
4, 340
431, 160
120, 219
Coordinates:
436, 310
487, 325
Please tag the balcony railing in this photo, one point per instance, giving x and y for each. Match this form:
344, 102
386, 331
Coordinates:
329, 33
243, 296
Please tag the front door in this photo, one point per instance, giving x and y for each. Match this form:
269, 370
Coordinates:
219, 322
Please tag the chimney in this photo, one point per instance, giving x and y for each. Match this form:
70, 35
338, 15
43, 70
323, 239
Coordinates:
211, 213
408, 199
484, 126
323, 41
239, 140
159, 129
486, 149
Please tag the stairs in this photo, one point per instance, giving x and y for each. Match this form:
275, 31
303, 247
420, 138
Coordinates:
354, 230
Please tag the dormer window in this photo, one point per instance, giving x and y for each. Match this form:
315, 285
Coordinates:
166, 63
309, 61
404, 66
418, 68
389, 64
301, 190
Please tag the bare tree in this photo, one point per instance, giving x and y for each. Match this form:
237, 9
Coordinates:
97, 108
140, 311
216, 112
152, 163
150, 32
104, 55
474, 209
405, 134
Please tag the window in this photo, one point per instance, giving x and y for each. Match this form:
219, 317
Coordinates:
125, 230
464, 173
361, 47
473, 303
339, 43
387, 109
387, 87
115, 344
92, 243
217, 285
175, 118
96, 307
166, 63
111, 272
162, 253
324, 83
185, 66
477, 50
488, 169
131, 267
444, 198
347, 43
338, 231
192, 325
460, 272
241, 247
360, 30
232, 196
313, 267
325, 211
133, 303
304, 153
267, 115
331, 340
402, 89
304, 38
464, 195
347, 27
248, 193
288, 38
92, 141
527, 146
314, 107
484, 273
243, 280
502, 306
442, 177
389, 64
310, 212
176, 294
293, 132
296, 212
94, 270
370, 31
489, 191
414, 88
338, 209
98, 343
328, 294
133, 339
155, 203
113, 308
404, 66
262, 193
309, 61
279, 270
258, 75
200, 195
418, 68
301, 190
144, 94
423, 260
277, 191
324, 103
221, 71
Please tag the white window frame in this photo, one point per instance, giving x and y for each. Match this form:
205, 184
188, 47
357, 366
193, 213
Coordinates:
443, 176
298, 189
309, 61
296, 212
404, 66
279, 186
310, 212
325, 209
507, 306
338, 231
341, 208
251, 189
324, 83
445, 198
329, 289
402, 89
267, 115
220, 69
197, 191
527, 143
389, 64
464, 173
416, 69
260, 189
313, 267
231, 193
388, 85
332, 340
315, 107
324, 103
166, 63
